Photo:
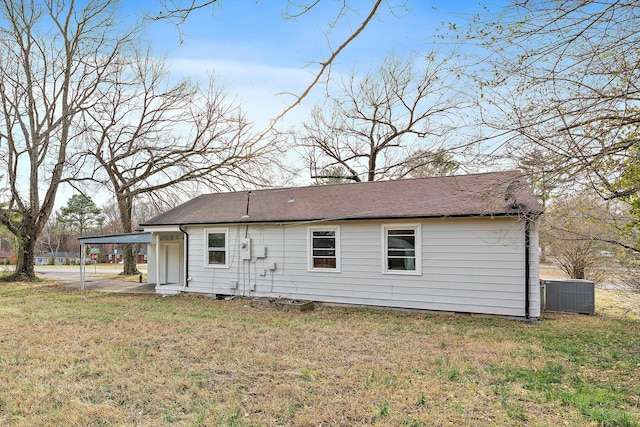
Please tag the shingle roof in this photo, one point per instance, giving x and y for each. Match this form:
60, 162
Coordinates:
462, 195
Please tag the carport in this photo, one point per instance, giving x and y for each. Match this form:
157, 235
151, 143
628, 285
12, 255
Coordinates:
125, 239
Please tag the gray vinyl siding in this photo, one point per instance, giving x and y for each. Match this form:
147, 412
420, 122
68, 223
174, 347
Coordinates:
467, 265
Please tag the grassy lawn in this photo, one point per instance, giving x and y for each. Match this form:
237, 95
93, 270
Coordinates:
89, 358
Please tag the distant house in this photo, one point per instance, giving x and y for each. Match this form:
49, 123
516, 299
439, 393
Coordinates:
142, 256
115, 256
458, 244
57, 258
7, 258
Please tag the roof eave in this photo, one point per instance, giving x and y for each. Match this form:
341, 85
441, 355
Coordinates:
359, 218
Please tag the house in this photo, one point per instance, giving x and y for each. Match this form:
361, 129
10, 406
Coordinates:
57, 258
7, 258
114, 255
464, 243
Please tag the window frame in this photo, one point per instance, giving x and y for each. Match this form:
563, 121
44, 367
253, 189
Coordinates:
417, 229
310, 238
209, 231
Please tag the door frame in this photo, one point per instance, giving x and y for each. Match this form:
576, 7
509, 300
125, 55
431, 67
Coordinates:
170, 264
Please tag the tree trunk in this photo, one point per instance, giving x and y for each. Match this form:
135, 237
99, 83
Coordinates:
26, 254
125, 208
129, 260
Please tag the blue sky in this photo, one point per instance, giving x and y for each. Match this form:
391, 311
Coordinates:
257, 54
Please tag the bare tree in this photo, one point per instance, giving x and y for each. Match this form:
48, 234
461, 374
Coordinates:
54, 57
427, 163
578, 231
562, 79
376, 125
147, 136
53, 235
546, 175
111, 218
567, 81
146, 206
332, 175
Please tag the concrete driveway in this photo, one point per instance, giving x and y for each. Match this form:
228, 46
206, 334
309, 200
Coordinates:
96, 280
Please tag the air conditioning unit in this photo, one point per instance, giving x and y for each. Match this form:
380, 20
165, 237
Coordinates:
572, 295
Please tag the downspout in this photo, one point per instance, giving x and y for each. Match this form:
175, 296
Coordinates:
186, 256
527, 267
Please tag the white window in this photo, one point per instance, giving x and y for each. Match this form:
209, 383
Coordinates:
402, 245
324, 249
216, 247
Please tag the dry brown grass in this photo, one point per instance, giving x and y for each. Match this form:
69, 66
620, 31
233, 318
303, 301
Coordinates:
606, 275
618, 303
550, 271
73, 358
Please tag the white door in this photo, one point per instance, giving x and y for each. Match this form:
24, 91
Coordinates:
172, 263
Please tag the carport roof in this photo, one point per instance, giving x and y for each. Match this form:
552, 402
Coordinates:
127, 238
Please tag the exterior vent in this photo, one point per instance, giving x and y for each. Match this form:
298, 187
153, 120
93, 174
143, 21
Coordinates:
574, 296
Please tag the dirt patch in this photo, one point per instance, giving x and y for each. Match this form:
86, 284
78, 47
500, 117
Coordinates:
283, 304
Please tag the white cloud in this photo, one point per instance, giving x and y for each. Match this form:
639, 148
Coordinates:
263, 90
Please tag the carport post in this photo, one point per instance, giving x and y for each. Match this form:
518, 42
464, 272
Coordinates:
157, 248
82, 261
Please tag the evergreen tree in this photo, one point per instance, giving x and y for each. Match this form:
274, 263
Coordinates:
81, 214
